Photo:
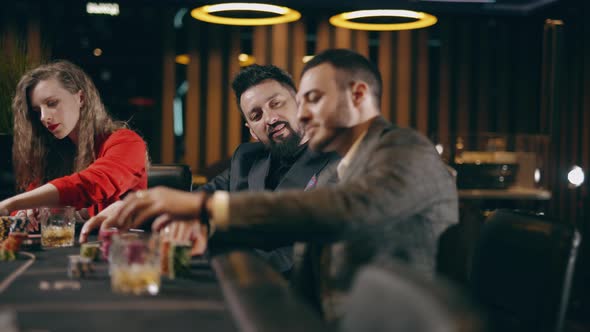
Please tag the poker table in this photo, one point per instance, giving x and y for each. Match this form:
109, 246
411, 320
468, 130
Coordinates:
233, 291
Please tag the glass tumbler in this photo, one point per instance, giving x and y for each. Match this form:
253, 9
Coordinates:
57, 226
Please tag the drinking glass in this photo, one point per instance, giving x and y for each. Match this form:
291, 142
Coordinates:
58, 226
134, 263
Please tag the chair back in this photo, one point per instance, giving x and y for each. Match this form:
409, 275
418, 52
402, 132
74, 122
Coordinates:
389, 297
176, 176
522, 271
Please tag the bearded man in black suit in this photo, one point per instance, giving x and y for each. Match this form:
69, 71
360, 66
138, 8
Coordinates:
279, 159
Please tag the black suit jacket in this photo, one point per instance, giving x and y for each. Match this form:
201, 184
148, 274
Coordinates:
248, 170
250, 165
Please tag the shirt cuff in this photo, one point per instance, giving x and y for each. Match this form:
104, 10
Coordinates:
219, 218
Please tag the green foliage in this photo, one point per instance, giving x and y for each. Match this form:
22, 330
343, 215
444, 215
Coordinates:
14, 62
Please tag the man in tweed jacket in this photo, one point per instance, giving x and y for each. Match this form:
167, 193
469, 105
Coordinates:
395, 195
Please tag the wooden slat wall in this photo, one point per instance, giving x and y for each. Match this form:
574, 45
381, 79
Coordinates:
299, 50
361, 42
403, 79
571, 117
234, 119
342, 38
260, 44
385, 63
323, 40
192, 128
168, 92
463, 84
280, 45
215, 94
444, 91
421, 96
461, 76
34, 34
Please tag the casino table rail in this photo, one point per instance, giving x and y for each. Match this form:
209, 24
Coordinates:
259, 297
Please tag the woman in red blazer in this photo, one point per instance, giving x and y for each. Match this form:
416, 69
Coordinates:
67, 149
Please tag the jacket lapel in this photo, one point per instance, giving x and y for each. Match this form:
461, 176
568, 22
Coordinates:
308, 165
257, 176
359, 161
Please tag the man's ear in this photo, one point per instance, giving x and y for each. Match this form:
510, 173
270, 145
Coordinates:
359, 91
252, 133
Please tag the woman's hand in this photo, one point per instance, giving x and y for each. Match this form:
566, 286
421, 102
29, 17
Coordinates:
33, 216
5, 207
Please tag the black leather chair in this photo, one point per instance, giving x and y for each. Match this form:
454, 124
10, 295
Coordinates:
388, 296
522, 270
176, 176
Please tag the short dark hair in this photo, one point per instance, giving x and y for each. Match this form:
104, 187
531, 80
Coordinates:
355, 65
255, 74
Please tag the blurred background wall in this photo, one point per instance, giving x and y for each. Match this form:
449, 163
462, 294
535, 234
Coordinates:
476, 71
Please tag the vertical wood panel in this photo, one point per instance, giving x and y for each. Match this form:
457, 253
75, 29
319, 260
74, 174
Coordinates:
234, 118
8, 29
214, 95
299, 50
260, 44
403, 78
33, 34
524, 74
422, 82
343, 38
546, 73
385, 64
483, 84
464, 84
280, 39
444, 86
322, 37
192, 132
168, 92
503, 83
361, 40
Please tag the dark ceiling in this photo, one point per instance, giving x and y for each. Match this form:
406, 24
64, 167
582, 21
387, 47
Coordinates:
489, 7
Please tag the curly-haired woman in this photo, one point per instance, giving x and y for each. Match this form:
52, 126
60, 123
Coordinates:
67, 149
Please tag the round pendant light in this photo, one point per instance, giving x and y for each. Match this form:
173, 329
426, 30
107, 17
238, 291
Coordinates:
422, 20
208, 14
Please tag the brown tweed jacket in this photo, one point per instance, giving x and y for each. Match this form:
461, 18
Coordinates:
393, 201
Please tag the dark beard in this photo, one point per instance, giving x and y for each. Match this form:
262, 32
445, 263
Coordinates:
286, 148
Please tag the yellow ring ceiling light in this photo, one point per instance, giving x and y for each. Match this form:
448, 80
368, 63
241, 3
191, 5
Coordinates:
285, 14
343, 20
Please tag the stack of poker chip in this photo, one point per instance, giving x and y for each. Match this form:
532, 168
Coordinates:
19, 224
79, 267
5, 223
10, 246
106, 236
90, 250
175, 259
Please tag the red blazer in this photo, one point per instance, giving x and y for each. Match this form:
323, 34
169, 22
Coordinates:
120, 167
